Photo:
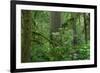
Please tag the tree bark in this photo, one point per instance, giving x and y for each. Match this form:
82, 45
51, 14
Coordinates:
55, 25
87, 27
26, 35
55, 21
74, 20
75, 37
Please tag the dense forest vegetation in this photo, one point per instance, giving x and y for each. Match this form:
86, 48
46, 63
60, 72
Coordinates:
54, 36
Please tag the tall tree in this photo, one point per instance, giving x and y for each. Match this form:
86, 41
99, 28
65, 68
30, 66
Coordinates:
55, 21
26, 35
55, 25
86, 26
74, 51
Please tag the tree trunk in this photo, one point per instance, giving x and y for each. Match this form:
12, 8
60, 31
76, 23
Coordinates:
26, 35
87, 27
55, 21
75, 37
55, 25
74, 20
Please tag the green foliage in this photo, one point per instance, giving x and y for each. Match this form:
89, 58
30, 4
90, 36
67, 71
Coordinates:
39, 54
67, 43
84, 52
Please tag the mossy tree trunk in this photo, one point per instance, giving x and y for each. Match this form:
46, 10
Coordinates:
55, 25
87, 27
55, 21
26, 35
75, 37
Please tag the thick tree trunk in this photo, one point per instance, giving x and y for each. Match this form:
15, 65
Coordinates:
55, 21
87, 27
75, 37
55, 25
74, 20
26, 35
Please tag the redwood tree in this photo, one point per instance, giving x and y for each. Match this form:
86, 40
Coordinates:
26, 35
